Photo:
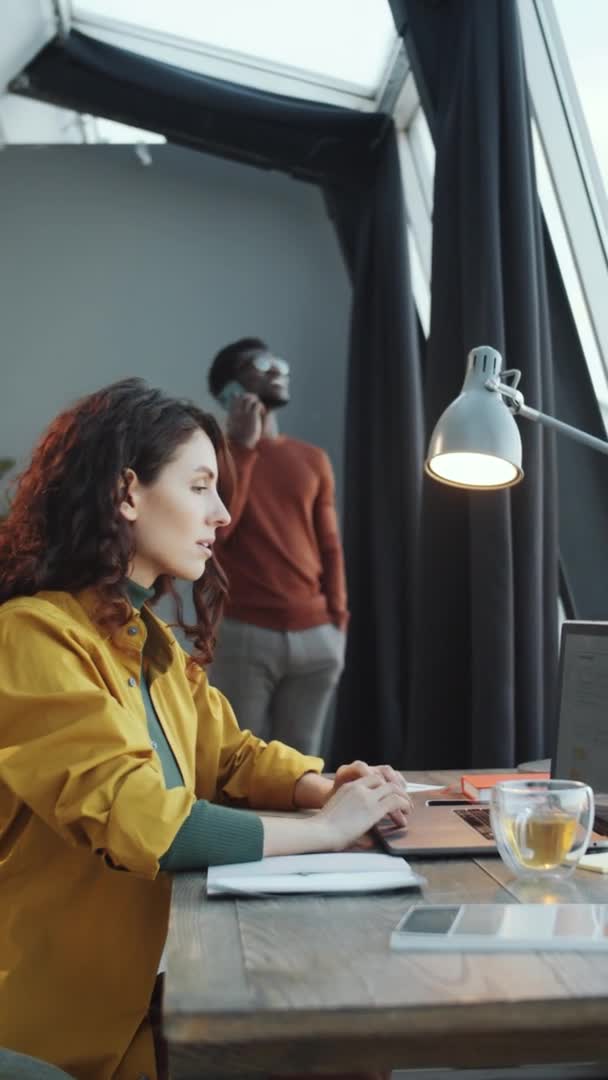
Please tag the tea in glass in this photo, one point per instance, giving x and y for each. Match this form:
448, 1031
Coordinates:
542, 841
542, 827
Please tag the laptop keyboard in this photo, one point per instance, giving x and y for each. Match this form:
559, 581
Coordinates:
479, 819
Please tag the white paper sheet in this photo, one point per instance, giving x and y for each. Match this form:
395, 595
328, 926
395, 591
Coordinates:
332, 872
424, 787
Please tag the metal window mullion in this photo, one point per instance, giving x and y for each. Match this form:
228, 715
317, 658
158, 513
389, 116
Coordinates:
581, 223
572, 284
420, 283
423, 152
63, 15
417, 208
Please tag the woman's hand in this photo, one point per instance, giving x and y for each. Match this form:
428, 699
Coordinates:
346, 773
359, 797
357, 805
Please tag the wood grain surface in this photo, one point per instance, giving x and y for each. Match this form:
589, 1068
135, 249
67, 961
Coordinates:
303, 984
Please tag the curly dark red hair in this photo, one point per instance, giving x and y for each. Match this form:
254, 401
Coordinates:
65, 530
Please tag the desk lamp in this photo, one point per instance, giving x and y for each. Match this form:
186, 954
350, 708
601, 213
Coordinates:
476, 442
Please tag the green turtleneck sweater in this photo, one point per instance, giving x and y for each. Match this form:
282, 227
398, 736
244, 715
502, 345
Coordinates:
210, 835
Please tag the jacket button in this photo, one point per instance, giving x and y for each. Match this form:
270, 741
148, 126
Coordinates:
132, 681
132, 630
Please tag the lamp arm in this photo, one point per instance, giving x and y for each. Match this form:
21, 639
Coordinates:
515, 402
565, 429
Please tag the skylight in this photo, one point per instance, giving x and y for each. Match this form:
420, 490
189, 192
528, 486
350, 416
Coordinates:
341, 43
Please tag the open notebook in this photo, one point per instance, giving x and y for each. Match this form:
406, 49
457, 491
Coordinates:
332, 872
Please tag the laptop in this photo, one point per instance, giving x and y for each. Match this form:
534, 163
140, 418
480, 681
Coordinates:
442, 825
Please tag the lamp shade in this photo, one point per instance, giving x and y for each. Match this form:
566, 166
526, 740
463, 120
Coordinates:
476, 442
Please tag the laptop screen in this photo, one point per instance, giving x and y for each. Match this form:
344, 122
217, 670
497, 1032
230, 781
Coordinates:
582, 729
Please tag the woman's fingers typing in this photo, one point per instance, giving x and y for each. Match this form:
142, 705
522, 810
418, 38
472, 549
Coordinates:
347, 773
350, 772
356, 770
359, 804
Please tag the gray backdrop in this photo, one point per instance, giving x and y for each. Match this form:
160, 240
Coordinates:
109, 268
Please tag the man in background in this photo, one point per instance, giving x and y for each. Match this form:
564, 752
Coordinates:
281, 644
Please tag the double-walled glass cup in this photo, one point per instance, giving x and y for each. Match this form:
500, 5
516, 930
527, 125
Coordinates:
542, 827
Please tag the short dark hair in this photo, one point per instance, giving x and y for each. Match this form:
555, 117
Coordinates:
226, 363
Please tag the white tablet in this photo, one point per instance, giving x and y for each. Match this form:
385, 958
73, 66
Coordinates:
502, 927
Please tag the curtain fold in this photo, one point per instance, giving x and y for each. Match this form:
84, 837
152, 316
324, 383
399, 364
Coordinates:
383, 473
486, 617
303, 138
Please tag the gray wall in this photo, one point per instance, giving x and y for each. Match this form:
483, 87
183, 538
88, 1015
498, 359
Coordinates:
109, 268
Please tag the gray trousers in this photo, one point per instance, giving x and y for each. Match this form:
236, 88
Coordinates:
279, 683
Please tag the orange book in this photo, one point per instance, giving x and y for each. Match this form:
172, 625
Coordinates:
477, 786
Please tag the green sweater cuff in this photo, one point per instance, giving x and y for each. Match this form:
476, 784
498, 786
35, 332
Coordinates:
214, 835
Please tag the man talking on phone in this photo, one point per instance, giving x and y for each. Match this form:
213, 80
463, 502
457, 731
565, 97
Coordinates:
280, 649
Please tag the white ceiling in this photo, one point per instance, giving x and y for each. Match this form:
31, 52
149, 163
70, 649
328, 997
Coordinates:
25, 27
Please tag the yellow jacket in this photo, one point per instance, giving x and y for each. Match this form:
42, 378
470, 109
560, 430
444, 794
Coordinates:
85, 817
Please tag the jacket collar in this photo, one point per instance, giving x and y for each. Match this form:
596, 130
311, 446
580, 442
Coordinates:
160, 639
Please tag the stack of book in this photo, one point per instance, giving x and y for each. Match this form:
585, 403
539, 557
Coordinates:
477, 786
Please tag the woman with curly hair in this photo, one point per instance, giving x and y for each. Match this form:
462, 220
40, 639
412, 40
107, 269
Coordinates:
119, 764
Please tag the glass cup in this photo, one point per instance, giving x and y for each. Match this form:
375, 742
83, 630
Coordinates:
542, 827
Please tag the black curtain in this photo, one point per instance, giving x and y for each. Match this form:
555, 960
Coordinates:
384, 454
486, 626
353, 157
311, 141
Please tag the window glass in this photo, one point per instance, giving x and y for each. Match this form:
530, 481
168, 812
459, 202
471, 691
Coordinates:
341, 40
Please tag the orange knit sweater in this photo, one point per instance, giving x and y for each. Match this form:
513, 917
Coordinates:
282, 551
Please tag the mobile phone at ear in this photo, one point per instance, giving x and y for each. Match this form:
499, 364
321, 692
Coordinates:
229, 393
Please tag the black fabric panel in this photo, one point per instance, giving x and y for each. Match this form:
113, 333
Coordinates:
485, 662
309, 140
383, 468
423, 28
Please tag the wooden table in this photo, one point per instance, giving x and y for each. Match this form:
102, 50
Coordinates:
308, 984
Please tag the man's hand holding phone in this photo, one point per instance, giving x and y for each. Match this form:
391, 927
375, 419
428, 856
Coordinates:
245, 419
